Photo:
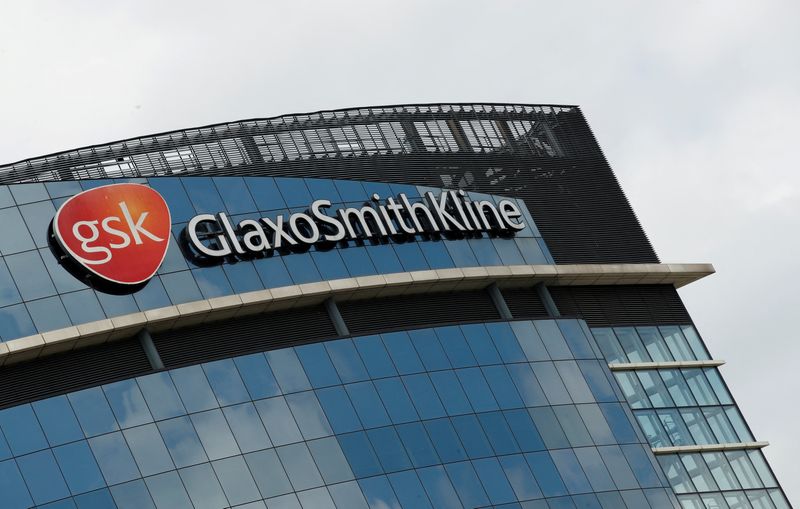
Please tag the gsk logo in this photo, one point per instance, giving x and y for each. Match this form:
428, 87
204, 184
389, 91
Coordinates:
118, 232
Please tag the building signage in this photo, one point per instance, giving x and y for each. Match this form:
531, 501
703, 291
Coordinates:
118, 232
217, 236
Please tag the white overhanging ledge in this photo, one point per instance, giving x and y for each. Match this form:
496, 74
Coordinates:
365, 287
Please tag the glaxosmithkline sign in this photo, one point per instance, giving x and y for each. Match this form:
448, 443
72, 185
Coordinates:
118, 234
215, 236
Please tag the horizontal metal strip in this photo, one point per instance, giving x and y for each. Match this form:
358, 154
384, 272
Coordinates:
633, 366
738, 446
364, 287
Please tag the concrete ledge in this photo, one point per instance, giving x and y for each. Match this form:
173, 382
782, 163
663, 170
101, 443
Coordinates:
633, 366
364, 287
740, 446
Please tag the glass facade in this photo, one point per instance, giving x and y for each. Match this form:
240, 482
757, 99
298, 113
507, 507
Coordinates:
37, 295
517, 414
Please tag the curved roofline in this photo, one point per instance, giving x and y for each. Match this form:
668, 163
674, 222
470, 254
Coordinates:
255, 119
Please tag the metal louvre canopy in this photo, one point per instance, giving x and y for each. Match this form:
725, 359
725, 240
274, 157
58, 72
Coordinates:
544, 154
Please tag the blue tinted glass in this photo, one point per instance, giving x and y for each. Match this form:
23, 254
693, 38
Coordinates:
451, 393
546, 474
461, 253
13, 494
234, 194
161, 396
508, 251
338, 409
114, 458
58, 421
243, 277
168, 491
330, 264
148, 449
467, 484
273, 272
576, 339
116, 305
410, 256
551, 382
531, 251
127, 403
424, 396
6, 200
237, 483
268, 473
350, 190
257, 376
484, 251
367, 404
317, 364
302, 268
288, 371
38, 217
277, 418
445, 440
15, 236
79, 467
43, 477
498, 432
524, 431
203, 195
132, 495
180, 208
375, 356
619, 422
358, 261
30, 275
481, 344
212, 282
439, 489
418, 445
455, 346
494, 480
595, 469
385, 259
396, 400
472, 436
330, 460
22, 430
480, 396
530, 341
323, 189
152, 296
93, 412
66, 503
345, 358
203, 487
596, 424
358, 451
193, 387
309, 415
641, 466
596, 379
299, 466
225, 382
380, 188
553, 341
430, 350
48, 314
549, 427
181, 287
182, 442
436, 254
573, 380
15, 322
389, 449
506, 342
409, 490
173, 259
294, 191
265, 193
502, 387
247, 427
215, 435
520, 477
402, 352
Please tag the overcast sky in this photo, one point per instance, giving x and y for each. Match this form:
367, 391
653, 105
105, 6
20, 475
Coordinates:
695, 104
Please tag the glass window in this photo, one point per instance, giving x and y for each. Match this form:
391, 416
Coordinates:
300, 466
451, 393
309, 415
48, 314
498, 432
257, 376
551, 383
424, 396
31, 277
445, 440
234, 194
358, 261
409, 490
718, 385
203, 487
655, 344
168, 491
194, 389
654, 387
639, 461
294, 191
481, 344
506, 342
527, 385
695, 342
114, 458
15, 238
317, 365
455, 346
472, 436
339, 411
698, 426
467, 485
181, 287
677, 387
268, 473
530, 341
520, 477
15, 322
396, 400
127, 403
345, 358
477, 389
502, 387
316, 498
607, 341
389, 449
152, 296
700, 387
265, 192
418, 445
38, 217
652, 428
570, 470
359, 453
410, 256
132, 495
430, 350
5, 197
524, 430
367, 404
113, 305
631, 344
225, 382
247, 428
237, 483
595, 377
273, 271
549, 427
212, 282
677, 343
278, 420
43, 477
57, 420
173, 259
675, 427
288, 370
618, 467
745, 471
620, 423
436, 254
553, 340
243, 276
93, 412
375, 356
148, 449
594, 468
203, 195
330, 460
494, 480
574, 382
161, 396
182, 442
215, 435
402, 352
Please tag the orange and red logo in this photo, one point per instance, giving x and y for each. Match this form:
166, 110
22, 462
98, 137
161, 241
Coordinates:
119, 232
